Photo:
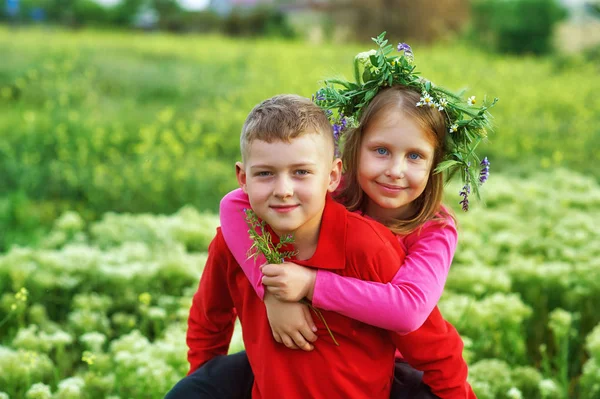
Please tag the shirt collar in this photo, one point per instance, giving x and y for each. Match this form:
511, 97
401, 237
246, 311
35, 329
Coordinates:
331, 246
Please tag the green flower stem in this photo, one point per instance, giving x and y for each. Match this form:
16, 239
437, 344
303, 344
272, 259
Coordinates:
357, 70
6, 318
320, 316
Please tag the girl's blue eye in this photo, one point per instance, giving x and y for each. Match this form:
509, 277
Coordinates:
414, 156
382, 151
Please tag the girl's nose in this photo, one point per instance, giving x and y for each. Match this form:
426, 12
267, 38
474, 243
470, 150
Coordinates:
396, 169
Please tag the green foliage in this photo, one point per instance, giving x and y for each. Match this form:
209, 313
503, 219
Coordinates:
517, 26
119, 122
539, 237
262, 241
258, 21
121, 309
590, 380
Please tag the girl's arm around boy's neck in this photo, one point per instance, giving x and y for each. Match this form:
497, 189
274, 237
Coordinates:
235, 233
404, 303
414, 291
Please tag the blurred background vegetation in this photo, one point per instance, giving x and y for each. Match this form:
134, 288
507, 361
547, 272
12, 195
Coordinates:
104, 108
135, 106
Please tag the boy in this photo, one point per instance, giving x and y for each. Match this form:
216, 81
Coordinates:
288, 170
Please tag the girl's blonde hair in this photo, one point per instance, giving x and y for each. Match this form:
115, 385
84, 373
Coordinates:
428, 204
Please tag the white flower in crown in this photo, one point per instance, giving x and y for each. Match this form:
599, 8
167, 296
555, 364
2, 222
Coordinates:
453, 128
442, 104
365, 57
426, 99
471, 100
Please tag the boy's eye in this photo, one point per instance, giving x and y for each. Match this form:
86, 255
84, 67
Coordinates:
302, 172
381, 151
263, 173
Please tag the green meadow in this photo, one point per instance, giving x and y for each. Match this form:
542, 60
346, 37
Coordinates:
115, 149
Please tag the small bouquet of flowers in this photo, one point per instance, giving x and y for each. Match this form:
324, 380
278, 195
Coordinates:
262, 243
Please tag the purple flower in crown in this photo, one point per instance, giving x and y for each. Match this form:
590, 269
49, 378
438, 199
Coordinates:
343, 121
339, 127
337, 131
466, 190
318, 96
407, 50
485, 170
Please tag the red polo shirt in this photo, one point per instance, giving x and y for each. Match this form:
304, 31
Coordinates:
362, 366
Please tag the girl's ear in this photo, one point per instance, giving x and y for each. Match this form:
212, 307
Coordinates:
240, 173
335, 176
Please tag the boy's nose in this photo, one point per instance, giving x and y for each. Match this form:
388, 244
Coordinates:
283, 188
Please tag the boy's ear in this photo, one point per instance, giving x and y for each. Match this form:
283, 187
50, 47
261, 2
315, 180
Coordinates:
240, 173
335, 176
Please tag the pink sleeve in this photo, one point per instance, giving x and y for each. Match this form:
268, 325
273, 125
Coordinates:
235, 233
404, 304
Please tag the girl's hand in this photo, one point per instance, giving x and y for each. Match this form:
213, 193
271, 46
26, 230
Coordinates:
289, 281
291, 323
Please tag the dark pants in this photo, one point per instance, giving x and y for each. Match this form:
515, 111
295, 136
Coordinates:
224, 377
408, 383
230, 377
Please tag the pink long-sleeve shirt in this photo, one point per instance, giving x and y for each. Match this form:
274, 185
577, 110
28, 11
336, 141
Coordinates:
401, 305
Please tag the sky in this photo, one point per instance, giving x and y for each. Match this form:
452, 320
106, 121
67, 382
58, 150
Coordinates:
187, 4
194, 4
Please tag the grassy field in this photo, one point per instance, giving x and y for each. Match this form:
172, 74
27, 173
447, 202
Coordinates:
102, 123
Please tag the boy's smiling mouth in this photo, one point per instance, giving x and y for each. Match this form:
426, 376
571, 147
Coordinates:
284, 208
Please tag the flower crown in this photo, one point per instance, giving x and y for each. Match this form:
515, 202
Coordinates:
467, 124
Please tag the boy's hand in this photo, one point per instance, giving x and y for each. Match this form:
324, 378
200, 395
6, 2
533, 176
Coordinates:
291, 323
289, 281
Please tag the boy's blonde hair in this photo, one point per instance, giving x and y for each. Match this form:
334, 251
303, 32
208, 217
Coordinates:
283, 118
397, 99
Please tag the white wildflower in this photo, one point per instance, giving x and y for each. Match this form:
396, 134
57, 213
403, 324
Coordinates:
548, 388
514, 393
70, 388
560, 323
364, 57
426, 99
39, 391
60, 338
70, 221
93, 340
156, 313
442, 104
